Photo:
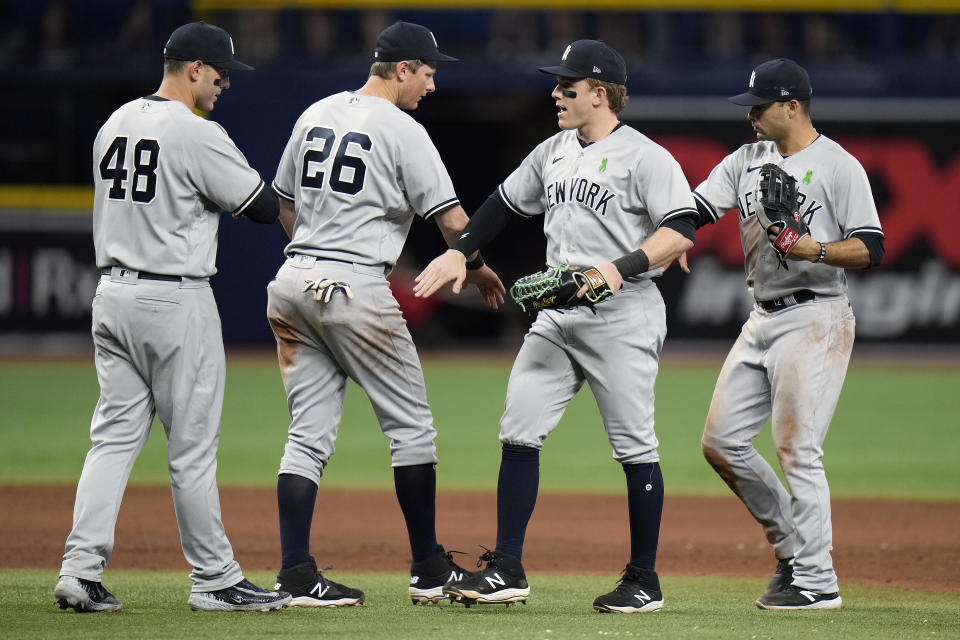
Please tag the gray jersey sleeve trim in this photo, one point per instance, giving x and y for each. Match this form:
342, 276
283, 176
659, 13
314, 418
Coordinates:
707, 207
440, 208
250, 198
512, 207
282, 193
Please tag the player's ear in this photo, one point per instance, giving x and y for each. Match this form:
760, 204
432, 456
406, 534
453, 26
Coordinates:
193, 69
402, 68
599, 95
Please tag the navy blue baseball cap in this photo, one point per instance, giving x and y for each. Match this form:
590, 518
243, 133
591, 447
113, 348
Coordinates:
205, 42
408, 41
779, 80
590, 59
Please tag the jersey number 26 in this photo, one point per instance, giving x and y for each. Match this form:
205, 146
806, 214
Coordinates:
342, 160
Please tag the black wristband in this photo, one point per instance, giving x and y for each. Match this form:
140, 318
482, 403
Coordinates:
476, 263
632, 264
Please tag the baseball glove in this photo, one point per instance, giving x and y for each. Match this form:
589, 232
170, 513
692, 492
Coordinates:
325, 288
777, 205
556, 288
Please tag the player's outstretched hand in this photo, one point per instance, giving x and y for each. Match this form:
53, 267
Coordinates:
489, 285
682, 261
448, 266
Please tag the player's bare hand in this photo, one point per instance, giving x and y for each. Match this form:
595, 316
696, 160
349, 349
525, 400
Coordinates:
488, 284
611, 274
450, 266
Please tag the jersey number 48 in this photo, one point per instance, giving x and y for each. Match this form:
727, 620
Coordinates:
310, 179
146, 157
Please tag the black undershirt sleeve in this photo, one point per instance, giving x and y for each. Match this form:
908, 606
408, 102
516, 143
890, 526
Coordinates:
874, 242
685, 225
265, 209
487, 221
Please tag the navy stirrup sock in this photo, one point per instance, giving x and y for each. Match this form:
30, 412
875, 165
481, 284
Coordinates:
516, 496
416, 487
296, 497
645, 505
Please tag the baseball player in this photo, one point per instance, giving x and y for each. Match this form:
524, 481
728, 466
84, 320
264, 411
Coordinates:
162, 177
355, 172
613, 198
791, 357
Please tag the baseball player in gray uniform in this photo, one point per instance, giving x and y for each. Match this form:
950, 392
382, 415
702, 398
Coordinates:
162, 177
355, 172
791, 357
613, 198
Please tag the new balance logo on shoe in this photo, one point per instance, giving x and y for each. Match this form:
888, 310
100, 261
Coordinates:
810, 595
495, 580
414, 579
319, 589
455, 576
642, 597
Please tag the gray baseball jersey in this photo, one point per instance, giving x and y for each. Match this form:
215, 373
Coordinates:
358, 169
789, 362
600, 201
162, 177
358, 153
835, 201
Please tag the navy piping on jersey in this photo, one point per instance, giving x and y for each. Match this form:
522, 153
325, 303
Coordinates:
156, 98
250, 198
709, 208
684, 211
283, 194
875, 230
513, 207
584, 145
440, 208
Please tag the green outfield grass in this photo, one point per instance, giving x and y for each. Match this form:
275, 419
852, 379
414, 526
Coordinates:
155, 606
894, 434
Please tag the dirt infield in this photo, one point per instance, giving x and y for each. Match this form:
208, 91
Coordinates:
904, 544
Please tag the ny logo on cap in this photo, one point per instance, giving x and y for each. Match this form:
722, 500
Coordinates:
232, 52
434, 39
753, 76
596, 69
566, 52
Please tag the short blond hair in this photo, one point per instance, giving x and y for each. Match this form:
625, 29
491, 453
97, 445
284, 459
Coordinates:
385, 69
616, 93
172, 67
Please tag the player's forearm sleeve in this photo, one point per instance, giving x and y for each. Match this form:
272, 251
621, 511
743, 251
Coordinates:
264, 209
488, 221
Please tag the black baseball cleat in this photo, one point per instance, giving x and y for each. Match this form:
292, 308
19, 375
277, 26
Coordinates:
243, 596
502, 581
428, 577
782, 577
310, 588
638, 592
84, 596
794, 597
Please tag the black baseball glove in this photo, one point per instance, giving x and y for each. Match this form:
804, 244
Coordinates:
777, 205
556, 288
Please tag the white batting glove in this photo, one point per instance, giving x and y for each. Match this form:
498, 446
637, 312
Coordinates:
325, 288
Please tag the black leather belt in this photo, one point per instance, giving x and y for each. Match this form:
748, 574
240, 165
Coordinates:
144, 275
797, 297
